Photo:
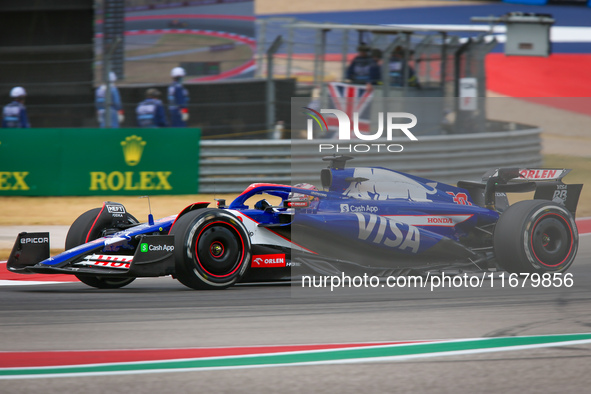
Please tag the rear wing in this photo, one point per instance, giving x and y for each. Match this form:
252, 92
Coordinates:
546, 182
528, 174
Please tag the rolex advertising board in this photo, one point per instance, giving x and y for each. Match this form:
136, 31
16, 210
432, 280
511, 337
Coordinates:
76, 162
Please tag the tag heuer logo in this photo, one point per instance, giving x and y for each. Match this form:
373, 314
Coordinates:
133, 147
143, 248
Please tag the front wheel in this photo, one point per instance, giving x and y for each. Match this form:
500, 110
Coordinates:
212, 249
83, 231
536, 236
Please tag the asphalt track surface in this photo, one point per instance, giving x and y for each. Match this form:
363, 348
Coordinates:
161, 313
235, 19
238, 19
243, 27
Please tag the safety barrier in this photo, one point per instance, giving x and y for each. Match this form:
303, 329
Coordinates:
230, 166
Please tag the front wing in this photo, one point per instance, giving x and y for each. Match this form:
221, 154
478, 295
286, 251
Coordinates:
153, 256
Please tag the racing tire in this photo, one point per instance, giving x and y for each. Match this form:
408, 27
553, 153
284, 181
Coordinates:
535, 237
78, 234
212, 249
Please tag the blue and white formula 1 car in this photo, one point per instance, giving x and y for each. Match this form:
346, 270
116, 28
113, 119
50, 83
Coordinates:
371, 220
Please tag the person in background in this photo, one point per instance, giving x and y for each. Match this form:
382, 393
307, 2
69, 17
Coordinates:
358, 70
14, 115
375, 71
150, 112
397, 68
178, 98
117, 115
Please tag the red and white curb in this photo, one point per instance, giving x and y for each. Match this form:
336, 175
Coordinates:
8, 278
584, 226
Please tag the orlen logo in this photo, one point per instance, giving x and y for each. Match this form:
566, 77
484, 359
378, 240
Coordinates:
268, 260
540, 174
345, 127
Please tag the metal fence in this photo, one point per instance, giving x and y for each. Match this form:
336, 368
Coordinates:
441, 62
230, 166
320, 52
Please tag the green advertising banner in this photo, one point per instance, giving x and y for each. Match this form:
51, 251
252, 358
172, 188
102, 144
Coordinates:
78, 162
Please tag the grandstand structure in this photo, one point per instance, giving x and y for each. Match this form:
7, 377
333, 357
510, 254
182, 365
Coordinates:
317, 54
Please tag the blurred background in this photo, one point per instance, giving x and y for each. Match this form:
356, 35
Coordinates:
245, 60
55, 49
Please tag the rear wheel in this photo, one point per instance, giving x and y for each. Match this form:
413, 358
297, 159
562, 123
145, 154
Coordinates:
212, 249
536, 236
81, 232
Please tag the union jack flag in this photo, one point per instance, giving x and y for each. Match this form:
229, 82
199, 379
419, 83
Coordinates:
350, 98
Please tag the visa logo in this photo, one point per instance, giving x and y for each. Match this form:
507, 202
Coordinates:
389, 233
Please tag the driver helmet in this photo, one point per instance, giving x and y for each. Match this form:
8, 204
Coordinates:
303, 197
